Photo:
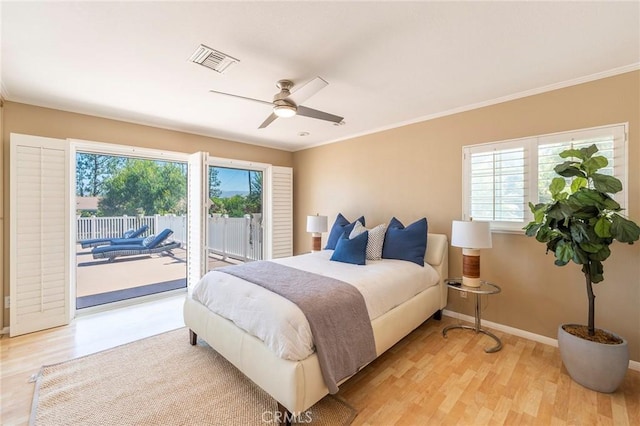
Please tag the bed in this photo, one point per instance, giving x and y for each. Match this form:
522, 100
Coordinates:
296, 384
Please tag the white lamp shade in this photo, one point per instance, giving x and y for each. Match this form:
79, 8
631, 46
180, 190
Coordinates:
472, 234
317, 224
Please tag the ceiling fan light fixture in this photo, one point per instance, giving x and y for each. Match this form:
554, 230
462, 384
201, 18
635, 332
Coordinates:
284, 111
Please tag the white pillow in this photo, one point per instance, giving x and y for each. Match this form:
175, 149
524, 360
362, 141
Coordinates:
376, 239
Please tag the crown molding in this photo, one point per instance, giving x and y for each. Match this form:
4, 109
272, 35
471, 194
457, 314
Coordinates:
519, 95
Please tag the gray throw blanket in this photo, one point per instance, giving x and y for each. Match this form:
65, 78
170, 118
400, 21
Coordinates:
335, 310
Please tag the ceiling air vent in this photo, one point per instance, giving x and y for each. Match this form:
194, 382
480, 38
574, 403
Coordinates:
207, 57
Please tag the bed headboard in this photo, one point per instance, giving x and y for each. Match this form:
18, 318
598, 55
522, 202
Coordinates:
438, 256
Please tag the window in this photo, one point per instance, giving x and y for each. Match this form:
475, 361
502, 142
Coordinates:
500, 178
497, 182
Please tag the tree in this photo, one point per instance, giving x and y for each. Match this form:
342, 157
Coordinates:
254, 199
582, 219
92, 170
214, 183
233, 206
147, 187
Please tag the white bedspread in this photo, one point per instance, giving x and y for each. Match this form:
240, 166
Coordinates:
279, 323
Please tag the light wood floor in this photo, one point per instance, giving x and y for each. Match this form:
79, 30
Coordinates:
425, 379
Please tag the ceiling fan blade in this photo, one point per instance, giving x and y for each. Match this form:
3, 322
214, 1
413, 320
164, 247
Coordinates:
241, 97
314, 113
270, 119
307, 90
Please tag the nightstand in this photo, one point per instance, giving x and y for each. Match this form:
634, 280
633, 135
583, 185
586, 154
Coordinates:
485, 288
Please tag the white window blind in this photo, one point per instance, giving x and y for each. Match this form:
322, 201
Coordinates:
501, 178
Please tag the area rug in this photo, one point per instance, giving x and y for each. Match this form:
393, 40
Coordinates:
161, 380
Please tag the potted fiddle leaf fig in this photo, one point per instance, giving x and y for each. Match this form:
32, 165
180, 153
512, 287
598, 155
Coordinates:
578, 225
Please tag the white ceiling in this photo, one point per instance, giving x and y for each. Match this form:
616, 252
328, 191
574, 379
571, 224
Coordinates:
387, 63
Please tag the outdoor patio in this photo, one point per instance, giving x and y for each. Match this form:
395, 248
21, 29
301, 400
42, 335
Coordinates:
100, 281
130, 276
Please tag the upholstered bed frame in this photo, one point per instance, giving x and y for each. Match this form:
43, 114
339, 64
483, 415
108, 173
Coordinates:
297, 385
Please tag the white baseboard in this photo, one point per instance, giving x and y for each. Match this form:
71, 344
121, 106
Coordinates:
633, 365
4, 330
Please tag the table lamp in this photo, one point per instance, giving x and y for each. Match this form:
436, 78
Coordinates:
471, 236
316, 225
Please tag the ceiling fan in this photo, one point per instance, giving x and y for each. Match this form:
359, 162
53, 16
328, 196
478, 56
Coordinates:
286, 104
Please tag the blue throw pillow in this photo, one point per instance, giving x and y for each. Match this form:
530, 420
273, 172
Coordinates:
408, 243
340, 226
352, 250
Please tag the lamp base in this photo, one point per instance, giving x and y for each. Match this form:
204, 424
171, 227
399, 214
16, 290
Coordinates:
316, 242
471, 267
470, 282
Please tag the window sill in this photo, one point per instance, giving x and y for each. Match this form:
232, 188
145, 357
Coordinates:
507, 231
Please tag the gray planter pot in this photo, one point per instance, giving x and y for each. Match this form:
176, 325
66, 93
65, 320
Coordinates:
594, 365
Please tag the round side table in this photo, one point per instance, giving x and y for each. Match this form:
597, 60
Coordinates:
485, 288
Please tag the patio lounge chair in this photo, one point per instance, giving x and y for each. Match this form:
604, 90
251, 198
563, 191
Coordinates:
129, 237
152, 244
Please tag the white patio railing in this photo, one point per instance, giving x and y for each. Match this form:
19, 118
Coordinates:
228, 237
111, 227
238, 238
178, 224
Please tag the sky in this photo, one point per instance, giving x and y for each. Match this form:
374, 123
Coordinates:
233, 179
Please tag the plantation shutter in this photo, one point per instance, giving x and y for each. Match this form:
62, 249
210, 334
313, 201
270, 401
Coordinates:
198, 202
610, 142
282, 212
496, 183
39, 234
501, 178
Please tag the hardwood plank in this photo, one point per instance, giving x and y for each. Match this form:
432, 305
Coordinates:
524, 383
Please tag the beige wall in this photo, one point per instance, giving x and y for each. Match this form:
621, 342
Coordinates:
2, 310
32, 120
416, 171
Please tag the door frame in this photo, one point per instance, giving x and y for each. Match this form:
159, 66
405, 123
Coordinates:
90, 147
266, 192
